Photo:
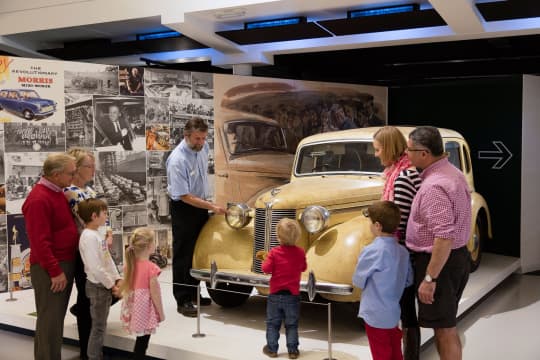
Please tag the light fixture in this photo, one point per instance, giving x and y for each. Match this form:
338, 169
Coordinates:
158, 35
230, 13
351, 14
275, 22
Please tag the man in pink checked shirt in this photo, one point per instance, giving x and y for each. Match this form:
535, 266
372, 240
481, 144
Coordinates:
438, 230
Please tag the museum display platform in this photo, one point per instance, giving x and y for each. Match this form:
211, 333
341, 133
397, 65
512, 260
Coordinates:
240, 332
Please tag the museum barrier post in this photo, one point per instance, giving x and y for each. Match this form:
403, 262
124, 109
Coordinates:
10, 287
198, 334
330, 333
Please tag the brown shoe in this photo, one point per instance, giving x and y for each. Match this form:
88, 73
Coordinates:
294, 354
269, 353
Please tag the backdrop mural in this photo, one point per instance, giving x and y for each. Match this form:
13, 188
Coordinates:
132, 117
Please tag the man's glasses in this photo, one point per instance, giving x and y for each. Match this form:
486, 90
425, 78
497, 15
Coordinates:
413, 149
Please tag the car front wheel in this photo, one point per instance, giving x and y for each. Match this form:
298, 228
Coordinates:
229, 295
28, 115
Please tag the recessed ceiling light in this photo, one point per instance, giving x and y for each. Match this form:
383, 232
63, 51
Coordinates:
230, 13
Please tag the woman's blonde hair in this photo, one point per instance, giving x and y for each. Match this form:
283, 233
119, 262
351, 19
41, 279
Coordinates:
56, 162
288, 231
139, 241
392, 141
79, 154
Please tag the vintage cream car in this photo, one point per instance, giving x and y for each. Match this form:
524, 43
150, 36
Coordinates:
334, 177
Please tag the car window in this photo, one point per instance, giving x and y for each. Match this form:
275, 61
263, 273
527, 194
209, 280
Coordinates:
467, 159
452, 149
3, 94
341, 157
250, 136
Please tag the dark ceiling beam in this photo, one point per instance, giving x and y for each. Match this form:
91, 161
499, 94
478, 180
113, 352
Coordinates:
510, 9
101, 48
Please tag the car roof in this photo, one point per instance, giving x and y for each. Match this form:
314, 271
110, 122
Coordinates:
367, 133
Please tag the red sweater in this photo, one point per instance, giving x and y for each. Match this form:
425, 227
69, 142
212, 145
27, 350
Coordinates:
51, 229
286, 264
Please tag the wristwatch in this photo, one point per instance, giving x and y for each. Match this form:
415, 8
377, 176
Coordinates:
429, 279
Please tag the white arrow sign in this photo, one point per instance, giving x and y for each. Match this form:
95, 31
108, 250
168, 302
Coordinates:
502, 155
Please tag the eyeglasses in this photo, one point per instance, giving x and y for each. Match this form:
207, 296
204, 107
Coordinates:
412, 149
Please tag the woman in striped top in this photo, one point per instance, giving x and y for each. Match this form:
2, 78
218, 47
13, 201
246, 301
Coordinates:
402, 181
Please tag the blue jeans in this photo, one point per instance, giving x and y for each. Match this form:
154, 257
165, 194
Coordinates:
100, 303
284, 308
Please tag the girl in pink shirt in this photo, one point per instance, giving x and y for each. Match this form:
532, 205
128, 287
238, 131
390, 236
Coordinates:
142, 308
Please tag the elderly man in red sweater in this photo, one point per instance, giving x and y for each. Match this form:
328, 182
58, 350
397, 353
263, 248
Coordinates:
53, 243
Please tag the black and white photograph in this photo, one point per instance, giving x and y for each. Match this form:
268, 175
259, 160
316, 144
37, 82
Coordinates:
203, 85
117, 251
42, 137
163, 235
167, 83
131, 80
22, 172
86, 78
156, 163
121, 177
18, 252
133, 217
119, 123
157, 110
203, 108
4, 263
158, 201
79, 121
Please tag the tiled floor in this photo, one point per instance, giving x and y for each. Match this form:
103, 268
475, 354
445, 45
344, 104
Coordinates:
501, 326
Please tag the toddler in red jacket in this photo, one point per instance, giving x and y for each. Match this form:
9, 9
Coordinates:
286, 263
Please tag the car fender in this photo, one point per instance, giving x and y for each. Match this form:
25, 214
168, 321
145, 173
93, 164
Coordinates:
478, 204
334, 254
229, 248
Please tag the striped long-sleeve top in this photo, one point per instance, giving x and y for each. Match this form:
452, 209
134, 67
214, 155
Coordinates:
405, 187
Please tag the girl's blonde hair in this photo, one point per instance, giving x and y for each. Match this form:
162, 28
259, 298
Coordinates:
139, 241
392, 141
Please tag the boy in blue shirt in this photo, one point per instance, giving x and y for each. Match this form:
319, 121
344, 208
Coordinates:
382, 272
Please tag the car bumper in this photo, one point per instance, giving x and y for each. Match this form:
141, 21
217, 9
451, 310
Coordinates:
311, 286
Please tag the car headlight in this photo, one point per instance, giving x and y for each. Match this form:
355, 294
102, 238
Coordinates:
238, 215
314, 218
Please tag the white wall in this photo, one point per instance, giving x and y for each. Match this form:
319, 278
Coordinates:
530, 175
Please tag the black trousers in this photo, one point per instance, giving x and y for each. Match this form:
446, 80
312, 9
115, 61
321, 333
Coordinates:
187, 222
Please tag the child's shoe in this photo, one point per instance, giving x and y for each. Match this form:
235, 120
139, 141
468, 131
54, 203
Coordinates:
269, 353
294, 354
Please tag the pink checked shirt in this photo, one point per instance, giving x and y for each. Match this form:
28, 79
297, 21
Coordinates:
440, 209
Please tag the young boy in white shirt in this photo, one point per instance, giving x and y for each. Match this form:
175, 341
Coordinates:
103, 279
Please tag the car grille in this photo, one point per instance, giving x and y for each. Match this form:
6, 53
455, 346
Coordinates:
265, 224
47, 108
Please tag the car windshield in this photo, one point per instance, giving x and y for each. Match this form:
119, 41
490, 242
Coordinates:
338, 157
250, 136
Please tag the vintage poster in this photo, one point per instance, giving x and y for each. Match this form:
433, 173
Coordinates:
31, 91
4, 262
22, 172
88, 78
79, 121
18, 253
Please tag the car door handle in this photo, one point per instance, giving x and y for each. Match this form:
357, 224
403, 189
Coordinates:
224, 175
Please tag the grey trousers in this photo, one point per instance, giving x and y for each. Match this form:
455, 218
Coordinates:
51, 310
100, 303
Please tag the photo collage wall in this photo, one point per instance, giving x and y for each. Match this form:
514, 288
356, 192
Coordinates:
131, 118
